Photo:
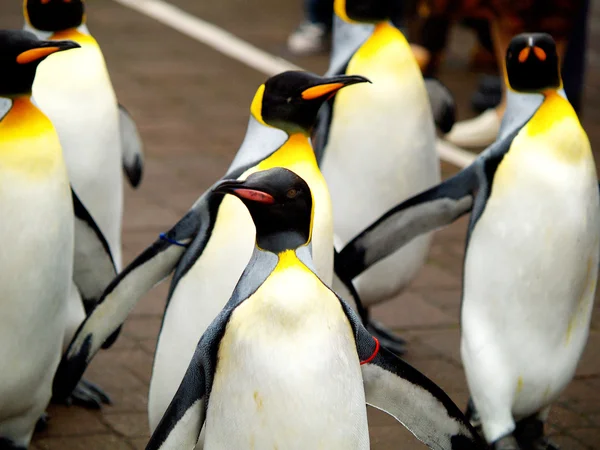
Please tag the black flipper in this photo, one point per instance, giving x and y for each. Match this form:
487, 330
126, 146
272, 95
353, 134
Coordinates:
434, 208
147, 270
131, 146
442, 103
403, 392
93, 265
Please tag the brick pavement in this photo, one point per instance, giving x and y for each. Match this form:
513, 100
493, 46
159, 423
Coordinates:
191, 105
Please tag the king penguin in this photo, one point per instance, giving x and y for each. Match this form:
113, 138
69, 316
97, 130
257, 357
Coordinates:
41, 240
286, 363
210, 247
376, 143
97, 135
532, 252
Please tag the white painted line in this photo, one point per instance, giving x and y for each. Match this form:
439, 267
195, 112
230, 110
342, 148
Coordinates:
246, 53
211, 35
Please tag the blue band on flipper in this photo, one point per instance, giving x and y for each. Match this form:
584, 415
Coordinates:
164, 237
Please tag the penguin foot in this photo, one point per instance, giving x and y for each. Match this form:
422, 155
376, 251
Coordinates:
387, 338
88, 395
506, 443
530, 435
42, 423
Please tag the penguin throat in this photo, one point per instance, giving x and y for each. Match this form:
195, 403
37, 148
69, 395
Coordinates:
281, 241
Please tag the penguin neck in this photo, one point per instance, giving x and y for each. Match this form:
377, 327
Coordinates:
296, 149
71, 34
280, 241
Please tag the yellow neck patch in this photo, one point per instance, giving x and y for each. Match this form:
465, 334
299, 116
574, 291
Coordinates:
256, 106
72, 34
288, 259
28, 141
339, 7
557, 123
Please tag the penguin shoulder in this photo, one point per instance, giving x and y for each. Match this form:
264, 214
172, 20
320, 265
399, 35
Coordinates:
556, 129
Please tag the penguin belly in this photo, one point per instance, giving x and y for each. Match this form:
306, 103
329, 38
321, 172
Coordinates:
288, 374
381, 150
530, 276
36, 261
199, 296
75, 92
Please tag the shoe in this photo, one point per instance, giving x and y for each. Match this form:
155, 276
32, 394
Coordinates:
480, 131
309, 38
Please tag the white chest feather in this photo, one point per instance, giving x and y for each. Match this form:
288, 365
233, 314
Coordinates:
531, 265
288, 375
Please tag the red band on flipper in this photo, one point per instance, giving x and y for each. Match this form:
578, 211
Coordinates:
372, 357
255, 196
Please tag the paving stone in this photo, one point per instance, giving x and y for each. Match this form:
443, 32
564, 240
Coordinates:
95, 442
410, 311
131, 425
434, 277
393, 437
568, 443
127, 401
588, 436
564, 419
144, 327
72, 421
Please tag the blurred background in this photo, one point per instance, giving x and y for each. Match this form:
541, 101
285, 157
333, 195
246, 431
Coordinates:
191, 104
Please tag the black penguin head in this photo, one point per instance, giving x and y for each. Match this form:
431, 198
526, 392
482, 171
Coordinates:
368, 11
291, 100
20, 54
532, 63
54, 15
280, 203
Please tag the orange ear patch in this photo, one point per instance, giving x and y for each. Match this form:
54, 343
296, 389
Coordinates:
540, 53
524, 54
321, 90
255, 196
35, 53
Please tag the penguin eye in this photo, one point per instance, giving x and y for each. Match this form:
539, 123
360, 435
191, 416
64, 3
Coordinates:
292, 193
289, 100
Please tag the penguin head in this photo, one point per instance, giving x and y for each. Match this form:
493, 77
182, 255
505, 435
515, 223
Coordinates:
281, 206
532, 63
291, 100
20, 54
364, 11
54, 15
